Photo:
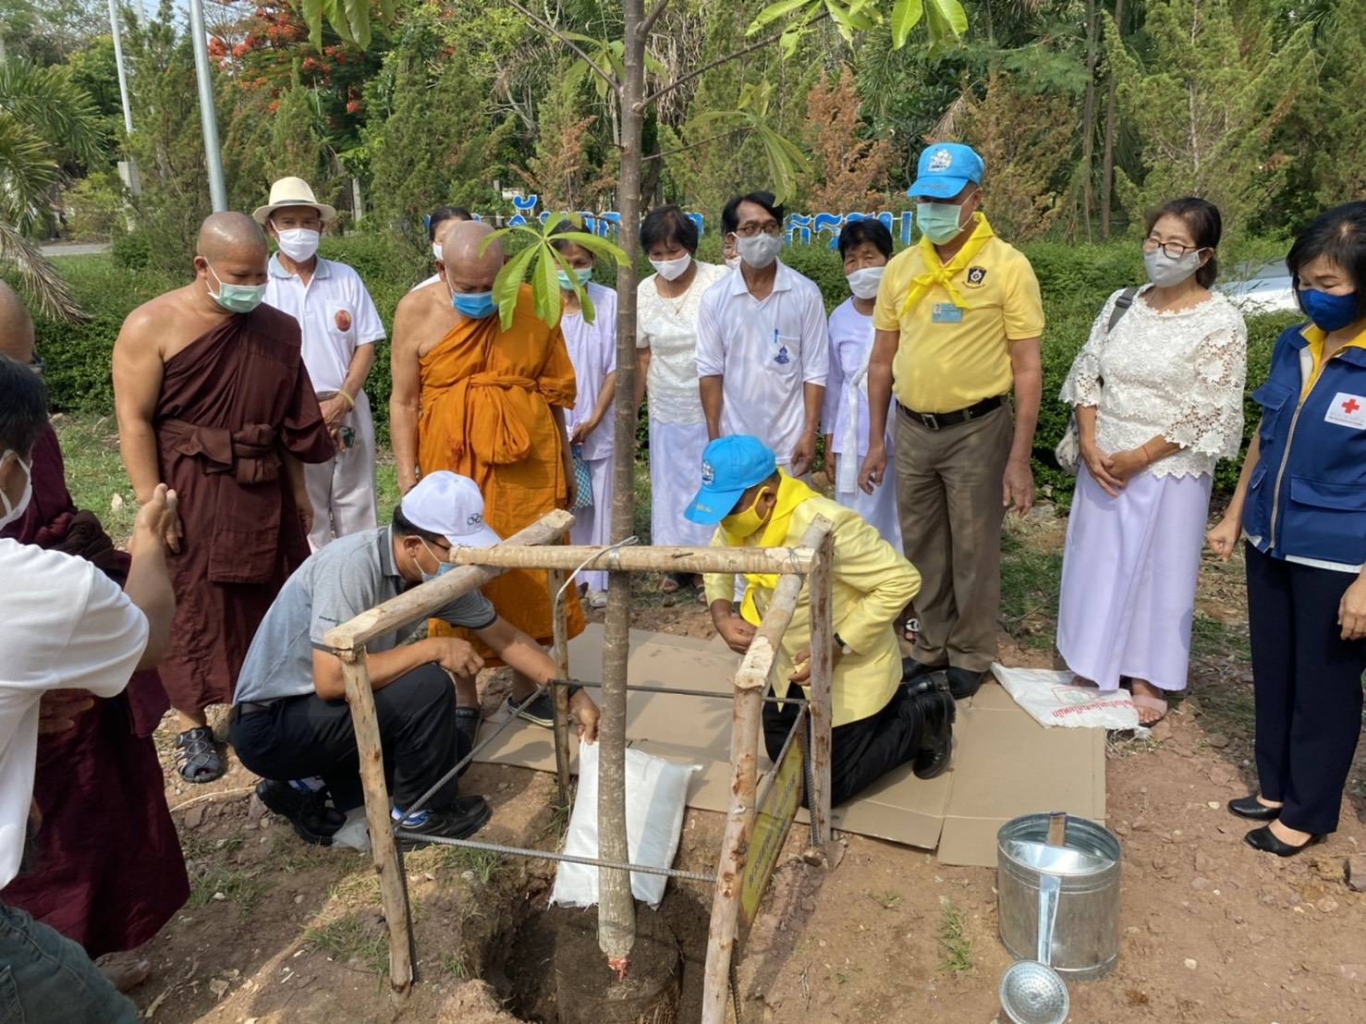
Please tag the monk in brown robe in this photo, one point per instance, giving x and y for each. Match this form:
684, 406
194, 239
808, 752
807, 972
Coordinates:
488, 404
212, 397
109, 872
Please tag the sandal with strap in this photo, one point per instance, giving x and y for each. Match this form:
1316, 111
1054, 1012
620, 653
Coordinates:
197, 756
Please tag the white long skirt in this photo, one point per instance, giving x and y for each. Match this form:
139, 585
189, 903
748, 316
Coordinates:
879, 509
675, 476
1128, 579
593, 525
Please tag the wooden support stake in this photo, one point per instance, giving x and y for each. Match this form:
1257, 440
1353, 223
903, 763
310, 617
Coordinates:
641, 559
392, 891
560, 655
822, 677
750, 682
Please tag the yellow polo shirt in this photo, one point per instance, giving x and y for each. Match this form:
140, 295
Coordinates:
951, 358
872, 584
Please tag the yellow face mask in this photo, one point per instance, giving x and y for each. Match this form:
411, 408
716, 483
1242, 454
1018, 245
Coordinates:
743, 525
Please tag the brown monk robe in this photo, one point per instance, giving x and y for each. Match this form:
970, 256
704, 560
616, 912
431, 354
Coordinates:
488, 404
212, 397
108, 872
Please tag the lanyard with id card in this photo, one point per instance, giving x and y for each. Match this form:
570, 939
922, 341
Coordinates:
946, 313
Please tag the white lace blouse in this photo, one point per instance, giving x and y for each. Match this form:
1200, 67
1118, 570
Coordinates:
1175, 374
668, 328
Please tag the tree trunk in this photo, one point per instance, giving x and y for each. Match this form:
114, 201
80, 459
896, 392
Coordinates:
1088, 118
617, 909
1107, 178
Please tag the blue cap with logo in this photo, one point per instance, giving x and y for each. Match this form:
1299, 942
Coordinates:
946, 168
730, 466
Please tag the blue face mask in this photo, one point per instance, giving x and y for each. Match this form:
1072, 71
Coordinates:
475, 305
442, 567
584, 275
1329, 312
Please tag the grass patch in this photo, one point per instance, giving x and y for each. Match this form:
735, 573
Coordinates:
954, 940
456, 965
1030, 581
1211, 638
885, 900
483, 864
221, 885
352, 939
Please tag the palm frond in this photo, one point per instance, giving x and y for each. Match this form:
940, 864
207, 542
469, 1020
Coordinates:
59, 110
27, 173
38, 278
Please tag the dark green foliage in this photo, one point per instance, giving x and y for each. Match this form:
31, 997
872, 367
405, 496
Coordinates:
1075, 280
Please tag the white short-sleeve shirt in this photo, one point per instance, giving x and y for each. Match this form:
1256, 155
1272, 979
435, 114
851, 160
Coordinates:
765, 351
593, 351
335, 314
64, 625
668, 328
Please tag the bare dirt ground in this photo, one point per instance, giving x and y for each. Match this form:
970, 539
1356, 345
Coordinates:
1212, 931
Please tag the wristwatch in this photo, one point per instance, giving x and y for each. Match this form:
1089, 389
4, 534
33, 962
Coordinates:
844, 648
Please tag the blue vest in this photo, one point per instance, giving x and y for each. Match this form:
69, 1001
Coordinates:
1307, 496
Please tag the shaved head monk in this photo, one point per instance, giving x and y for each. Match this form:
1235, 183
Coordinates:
488, 404
100, 776
213, 398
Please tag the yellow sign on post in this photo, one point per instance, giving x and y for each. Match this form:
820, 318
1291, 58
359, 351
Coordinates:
773, 820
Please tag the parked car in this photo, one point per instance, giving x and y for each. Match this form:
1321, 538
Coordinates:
1265, 289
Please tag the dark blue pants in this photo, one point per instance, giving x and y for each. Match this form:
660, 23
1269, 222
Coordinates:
1307, 683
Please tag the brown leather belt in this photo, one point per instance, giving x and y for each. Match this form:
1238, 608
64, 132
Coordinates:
940, 420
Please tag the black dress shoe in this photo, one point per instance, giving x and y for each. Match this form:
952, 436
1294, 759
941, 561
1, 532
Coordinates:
911, 670
313, 820
963, 683
936, 740
1265, 840
1253, 809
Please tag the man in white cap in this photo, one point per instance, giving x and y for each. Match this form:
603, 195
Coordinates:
340, 326
290, 720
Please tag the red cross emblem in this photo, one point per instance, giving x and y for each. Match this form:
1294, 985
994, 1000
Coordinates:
1350, 406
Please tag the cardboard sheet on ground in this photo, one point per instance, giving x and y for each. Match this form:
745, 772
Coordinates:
1005, 764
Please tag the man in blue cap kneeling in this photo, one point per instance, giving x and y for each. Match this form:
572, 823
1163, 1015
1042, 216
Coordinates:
879, 721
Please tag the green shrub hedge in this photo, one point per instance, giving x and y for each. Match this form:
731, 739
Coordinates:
1075, 279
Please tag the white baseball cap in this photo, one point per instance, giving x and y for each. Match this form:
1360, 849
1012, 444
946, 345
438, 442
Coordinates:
450, 505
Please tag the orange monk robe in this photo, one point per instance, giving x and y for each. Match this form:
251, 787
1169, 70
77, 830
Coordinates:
486, 400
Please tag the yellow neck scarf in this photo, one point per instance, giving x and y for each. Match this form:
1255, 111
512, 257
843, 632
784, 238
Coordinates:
940, 273
791, 493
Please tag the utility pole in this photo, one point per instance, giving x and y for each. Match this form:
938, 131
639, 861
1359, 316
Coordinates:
118, 63
213, 156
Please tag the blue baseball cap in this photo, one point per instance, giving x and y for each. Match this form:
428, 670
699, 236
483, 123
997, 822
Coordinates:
946, 168
730, 466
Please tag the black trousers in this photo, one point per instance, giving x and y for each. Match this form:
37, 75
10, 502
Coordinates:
300, 737
1307, 683
861, 752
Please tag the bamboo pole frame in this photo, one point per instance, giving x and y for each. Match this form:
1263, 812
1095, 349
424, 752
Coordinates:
811, 559
750, 683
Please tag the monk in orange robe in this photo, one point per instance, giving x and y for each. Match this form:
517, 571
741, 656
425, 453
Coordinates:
488, 404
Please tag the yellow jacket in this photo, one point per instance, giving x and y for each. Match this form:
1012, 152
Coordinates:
872, 583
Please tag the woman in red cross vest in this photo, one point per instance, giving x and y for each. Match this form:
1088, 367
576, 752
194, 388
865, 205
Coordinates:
1301, 508
1158, 394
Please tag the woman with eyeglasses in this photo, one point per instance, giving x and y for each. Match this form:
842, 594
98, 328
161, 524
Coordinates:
1157, 392
1301, 508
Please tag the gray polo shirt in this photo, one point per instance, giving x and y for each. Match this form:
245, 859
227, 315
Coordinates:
337, 583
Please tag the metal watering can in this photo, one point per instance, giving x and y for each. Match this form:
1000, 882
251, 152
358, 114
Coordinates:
1083, 863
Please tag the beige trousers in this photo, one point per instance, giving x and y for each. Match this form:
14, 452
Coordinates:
949, 492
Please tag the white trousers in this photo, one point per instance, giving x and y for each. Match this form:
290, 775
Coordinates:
342, 489
593, 525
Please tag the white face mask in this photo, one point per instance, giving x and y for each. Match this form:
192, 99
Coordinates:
436, 251
672, 270
14, 511
733, 262
863, 283
1165, 272
299, 244
760, 250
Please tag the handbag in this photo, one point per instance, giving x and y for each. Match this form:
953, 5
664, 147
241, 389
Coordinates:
1068, 451
583, 481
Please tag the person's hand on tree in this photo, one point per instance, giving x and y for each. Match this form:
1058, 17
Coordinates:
736, 632
584, 712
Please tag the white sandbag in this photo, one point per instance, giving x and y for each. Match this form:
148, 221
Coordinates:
656, 792
1052, 699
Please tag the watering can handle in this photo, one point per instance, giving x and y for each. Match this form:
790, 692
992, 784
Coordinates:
1050, 887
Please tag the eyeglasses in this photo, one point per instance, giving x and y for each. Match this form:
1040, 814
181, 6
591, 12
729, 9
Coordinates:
1171, 250
750, 230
